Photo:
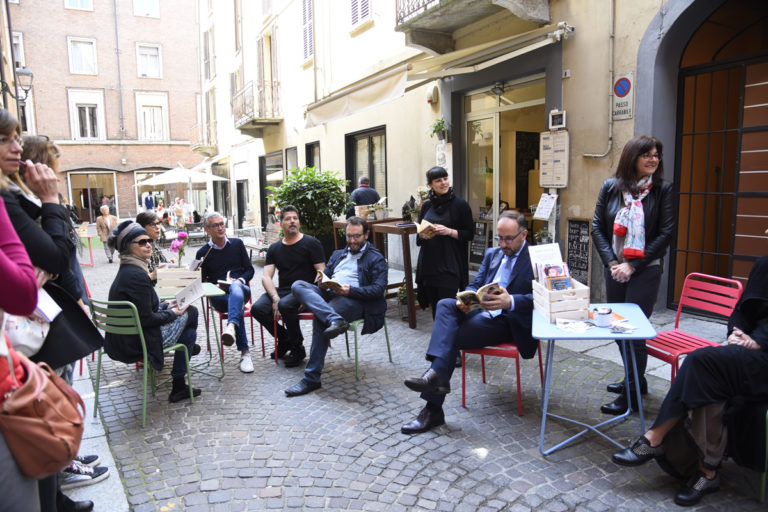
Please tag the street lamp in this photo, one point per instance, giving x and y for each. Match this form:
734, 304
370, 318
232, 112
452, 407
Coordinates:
24, 78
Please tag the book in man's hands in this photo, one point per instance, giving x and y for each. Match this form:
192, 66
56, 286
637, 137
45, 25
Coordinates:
473, 299
425, 229
326, 283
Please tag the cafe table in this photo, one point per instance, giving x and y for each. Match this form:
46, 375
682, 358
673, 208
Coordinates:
209, 290
549, 332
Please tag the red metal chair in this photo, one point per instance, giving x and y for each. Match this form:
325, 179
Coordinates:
302, 316
503, 350
703, 292
246, 314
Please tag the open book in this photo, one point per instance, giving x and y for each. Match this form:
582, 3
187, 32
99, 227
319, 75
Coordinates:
189, 294
473, 299
326, 283
425, 229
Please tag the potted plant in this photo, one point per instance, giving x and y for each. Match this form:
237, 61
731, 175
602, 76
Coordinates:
440, 128
543, 236
320, 196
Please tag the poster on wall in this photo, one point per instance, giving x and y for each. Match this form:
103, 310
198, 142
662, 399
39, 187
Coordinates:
553, 159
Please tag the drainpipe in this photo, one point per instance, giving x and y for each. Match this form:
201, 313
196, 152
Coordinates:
119, 76
2, 68
612, 42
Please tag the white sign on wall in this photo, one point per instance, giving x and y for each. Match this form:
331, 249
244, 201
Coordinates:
623, 96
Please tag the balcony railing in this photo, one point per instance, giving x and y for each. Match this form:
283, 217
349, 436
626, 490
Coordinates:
258, 103
204, 139
407, 9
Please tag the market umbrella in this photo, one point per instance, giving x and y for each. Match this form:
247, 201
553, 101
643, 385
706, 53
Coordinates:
180, 175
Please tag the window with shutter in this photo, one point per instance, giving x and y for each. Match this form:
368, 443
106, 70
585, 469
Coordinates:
307, 28
361, 11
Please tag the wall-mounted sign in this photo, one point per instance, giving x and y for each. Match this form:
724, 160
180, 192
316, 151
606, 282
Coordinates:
553, 159
623, 96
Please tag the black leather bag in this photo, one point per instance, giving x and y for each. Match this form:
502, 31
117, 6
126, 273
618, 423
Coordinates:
72, 335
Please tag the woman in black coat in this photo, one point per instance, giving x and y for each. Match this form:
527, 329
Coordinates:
163, 324
632, 228
443, 265
710, 380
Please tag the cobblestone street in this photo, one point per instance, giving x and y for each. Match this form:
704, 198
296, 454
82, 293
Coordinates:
243, 445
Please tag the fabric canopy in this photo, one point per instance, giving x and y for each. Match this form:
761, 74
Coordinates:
180, 175
370, 93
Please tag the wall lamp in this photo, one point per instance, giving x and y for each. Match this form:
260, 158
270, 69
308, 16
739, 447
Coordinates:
24, 78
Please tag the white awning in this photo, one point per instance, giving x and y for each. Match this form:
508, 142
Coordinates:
482, 56
373, 91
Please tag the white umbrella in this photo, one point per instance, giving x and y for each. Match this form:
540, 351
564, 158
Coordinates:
179, 175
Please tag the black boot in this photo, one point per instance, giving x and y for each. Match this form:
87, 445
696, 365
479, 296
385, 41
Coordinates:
619, 406
296, 356
282, 349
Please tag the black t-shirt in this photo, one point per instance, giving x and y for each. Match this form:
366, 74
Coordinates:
296, 262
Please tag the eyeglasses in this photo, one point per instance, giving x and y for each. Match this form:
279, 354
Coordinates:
357, 236
156, 223
4, 139
143, 242
648, 156
507, 239
216, 225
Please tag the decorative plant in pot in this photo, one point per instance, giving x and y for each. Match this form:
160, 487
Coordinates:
440, 128
320, 197
402, 300
543, 236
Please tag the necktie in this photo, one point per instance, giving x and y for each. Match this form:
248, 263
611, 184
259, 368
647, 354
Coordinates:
506, 273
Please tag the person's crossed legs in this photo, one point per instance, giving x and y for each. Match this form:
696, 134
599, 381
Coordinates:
332, 316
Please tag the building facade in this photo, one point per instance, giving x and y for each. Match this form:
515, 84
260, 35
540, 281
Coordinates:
117, 88
355, 86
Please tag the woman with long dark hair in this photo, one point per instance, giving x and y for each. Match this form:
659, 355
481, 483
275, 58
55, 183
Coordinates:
632, 228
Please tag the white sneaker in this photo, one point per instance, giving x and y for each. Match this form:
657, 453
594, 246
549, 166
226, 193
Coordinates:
228, 336
246, 364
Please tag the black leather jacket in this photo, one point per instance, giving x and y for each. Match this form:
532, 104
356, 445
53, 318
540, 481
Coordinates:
658, 207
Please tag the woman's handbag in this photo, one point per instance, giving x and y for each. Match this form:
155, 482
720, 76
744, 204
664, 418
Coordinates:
40, 420
72, 334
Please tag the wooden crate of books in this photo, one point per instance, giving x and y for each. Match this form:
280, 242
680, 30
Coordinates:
571, 303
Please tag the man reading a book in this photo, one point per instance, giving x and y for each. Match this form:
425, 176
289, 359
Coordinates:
361, 270
225, 262
503, 317
297, 257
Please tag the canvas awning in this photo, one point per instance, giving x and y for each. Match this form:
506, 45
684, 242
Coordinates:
373, 91
485, 55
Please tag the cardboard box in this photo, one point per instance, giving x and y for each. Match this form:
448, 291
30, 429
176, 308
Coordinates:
571, 304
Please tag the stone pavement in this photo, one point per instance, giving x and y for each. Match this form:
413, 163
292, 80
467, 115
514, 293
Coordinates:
243, 445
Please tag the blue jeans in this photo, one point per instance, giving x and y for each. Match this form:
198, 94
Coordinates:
327, 307
233, 304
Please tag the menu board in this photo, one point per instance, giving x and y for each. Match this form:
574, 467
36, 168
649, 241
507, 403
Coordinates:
480, 242
578, 249
553, 159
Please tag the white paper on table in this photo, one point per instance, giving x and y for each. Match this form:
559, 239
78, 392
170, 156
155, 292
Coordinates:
571, 325
189, 294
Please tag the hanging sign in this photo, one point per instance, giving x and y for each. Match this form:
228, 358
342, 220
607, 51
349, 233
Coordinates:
623, 96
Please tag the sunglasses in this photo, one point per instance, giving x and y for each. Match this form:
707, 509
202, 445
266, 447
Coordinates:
143, 242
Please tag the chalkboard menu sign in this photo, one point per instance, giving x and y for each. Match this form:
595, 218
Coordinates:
578, 249
479, 242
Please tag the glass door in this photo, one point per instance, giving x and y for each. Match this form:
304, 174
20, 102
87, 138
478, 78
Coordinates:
90, 191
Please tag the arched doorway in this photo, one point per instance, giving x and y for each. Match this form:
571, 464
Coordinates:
721, 170
702, 77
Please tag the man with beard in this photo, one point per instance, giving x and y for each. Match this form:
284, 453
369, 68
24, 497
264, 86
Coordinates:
297, 257
503, 318
361, 270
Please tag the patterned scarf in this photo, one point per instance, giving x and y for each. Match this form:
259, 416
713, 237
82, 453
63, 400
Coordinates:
629, 226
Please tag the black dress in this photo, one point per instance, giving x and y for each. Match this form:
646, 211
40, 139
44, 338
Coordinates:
443, 264
732, 374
